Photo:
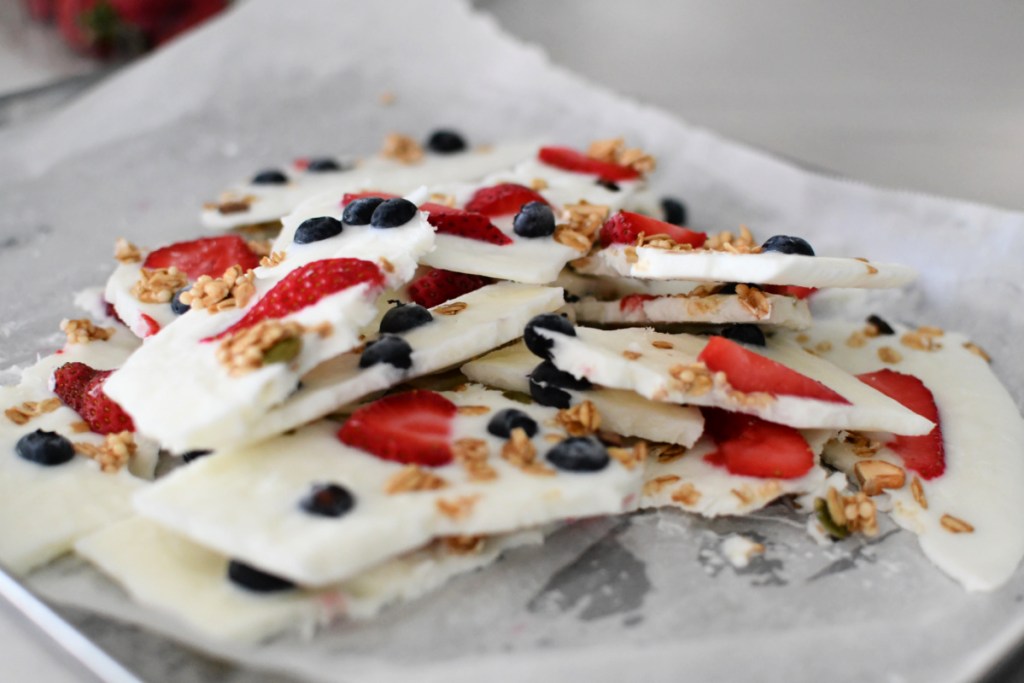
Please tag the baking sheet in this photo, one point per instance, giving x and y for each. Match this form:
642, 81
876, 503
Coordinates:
651, 597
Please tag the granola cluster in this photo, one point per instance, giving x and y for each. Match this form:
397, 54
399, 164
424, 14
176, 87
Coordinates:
579, 223
413, 478
233, 289
158, 285
126, 252
23, 413
402, 149
743, 243
113, 454
83, 331
581, 419
614, 151
520, 452
853, 513
253, 347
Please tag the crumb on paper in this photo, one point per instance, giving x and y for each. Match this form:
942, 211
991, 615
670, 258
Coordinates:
739, 550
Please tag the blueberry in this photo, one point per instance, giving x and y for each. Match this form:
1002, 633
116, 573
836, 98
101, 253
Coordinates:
393, 213
189, 456
45, 448
609, 185
328, 500
390, 349
673, 210
579, 454
880, 325
322, 165
541, 346
568, 297
535, 219
445, 141
360, 211
504, 421
270, 176
745, 334
547, 384
317, 229
179, 307
787, 244
404, 317
253, 579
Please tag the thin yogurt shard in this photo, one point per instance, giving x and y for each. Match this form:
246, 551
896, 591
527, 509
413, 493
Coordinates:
655, 365
698, 308
245, 503
167, 572
983, 435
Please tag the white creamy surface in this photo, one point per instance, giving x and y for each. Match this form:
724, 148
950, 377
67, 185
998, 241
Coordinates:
605, 287
598, 356
271, 202
623, 412
768, 268
169, 573
784, 311
983, 435
691, 483
43, 510
245, 503
533, 261
495, 315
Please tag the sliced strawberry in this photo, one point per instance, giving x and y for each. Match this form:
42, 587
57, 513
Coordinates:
751, 446
474, 226
569, 159
305, 286
926, 454
350, 197
750, 372
437, 286
413, 428
112, 312
502, 200
152, 326
634, 303
205, 256
625, 226
794, 291
80, 387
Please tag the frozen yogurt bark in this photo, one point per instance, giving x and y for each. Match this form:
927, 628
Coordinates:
401, 471
165, 571
779, 382
957, 487
47, 502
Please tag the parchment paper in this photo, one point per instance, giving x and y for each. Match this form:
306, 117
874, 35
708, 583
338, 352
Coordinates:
649, 598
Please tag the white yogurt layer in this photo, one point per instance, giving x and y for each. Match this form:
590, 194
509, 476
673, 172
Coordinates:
43, 509
983, 435
170, 573
623, 412
494, 315
272, 202
689, 482
768, 268
605, 287
783, 311
245, 503
533, 261
608, 358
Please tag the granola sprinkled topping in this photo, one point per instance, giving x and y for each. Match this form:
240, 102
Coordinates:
918, 491
925, 338
21, 414
743, 243
630, 457
472, 455
233, 289
667, 452
457, 508
887, 354
126, 252
686, 494
694, 379
402, 149
158, 285
754, 301
113, 454
464, 545
579, 224
875, 476
955, 525
631, 355
272, 259
852, 513
413, 478
659, 344
653, 487
249, 349
581, 419
614, 151
538, 184
82, 331
453, 308
473, 410
977, 351
520, 452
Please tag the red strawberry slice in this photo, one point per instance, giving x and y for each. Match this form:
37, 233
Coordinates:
305, 286
750, 372
502, 200
413, 428
205, 256
152, 326
80, 387
437, 286
926, 454
569, 159
350, 197
751, 446
634, 303
794, 291
625, 226
474, 226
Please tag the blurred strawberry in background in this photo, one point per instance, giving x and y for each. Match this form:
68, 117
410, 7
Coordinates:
120, 28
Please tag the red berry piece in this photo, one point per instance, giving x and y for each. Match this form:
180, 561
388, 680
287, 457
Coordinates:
502, 200
413, 428
750, 446
569, 159
205, 256
625, 226
794, 291
751, 372
925, 454
437, 286
474, 226
305, 286
634, 303
80, 387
